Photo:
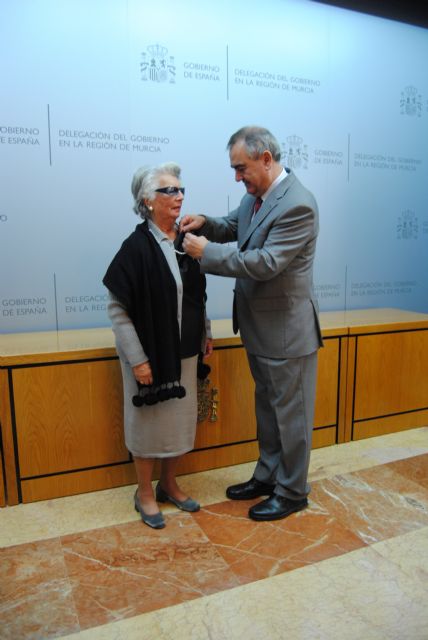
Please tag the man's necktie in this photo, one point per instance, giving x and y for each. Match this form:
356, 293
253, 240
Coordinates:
258, 203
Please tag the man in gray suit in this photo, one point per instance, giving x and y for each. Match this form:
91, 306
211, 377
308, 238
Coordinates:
276, 227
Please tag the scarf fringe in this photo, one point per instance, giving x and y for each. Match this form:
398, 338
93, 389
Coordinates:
152, 394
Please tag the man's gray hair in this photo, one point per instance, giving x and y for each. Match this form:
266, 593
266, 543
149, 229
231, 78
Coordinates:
256, 140
145, 182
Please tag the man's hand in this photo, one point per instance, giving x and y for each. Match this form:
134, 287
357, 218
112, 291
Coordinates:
191, 223
194, 245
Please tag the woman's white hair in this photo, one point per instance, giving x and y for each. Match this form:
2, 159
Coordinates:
145, 182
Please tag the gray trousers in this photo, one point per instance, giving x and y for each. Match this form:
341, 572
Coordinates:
285, 402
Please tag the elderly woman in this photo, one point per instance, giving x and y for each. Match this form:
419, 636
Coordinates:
157, 309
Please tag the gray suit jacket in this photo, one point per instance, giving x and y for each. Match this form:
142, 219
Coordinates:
276, 310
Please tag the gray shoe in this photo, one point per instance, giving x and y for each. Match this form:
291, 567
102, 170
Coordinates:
155, 521
185, 505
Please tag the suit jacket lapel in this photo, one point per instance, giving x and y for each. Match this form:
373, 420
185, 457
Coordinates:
265, 209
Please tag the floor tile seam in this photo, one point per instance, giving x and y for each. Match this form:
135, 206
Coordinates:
376, 543
325, 561
406, 477
371, 466
64, 534
381, 488
313, 542
342, 520
278, 562
414, 486
343, 523
28, 543
364, 467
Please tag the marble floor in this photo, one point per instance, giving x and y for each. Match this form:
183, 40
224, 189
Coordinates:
353, 566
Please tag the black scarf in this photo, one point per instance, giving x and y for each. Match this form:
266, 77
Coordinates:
140, 278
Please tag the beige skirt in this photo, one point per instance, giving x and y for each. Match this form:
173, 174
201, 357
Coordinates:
165, 429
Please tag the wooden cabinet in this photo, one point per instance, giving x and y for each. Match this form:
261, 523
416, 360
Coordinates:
61, 400
68, 417
391, 378
68, 434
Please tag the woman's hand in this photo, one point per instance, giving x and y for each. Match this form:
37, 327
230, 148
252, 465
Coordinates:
208, 347
143, 373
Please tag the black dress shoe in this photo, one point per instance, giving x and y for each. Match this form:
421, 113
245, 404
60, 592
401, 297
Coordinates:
251, 489
276, 507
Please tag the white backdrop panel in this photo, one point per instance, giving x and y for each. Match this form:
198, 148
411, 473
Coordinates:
93, 90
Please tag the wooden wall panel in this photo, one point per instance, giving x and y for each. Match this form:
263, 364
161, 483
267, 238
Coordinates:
345, 427
390, 424
323, 437
391, 373
70, 484
218, 457
2, 484
10, 486
68, 417
327, 384
343, 385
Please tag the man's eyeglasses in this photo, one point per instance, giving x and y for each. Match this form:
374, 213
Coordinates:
171, 191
